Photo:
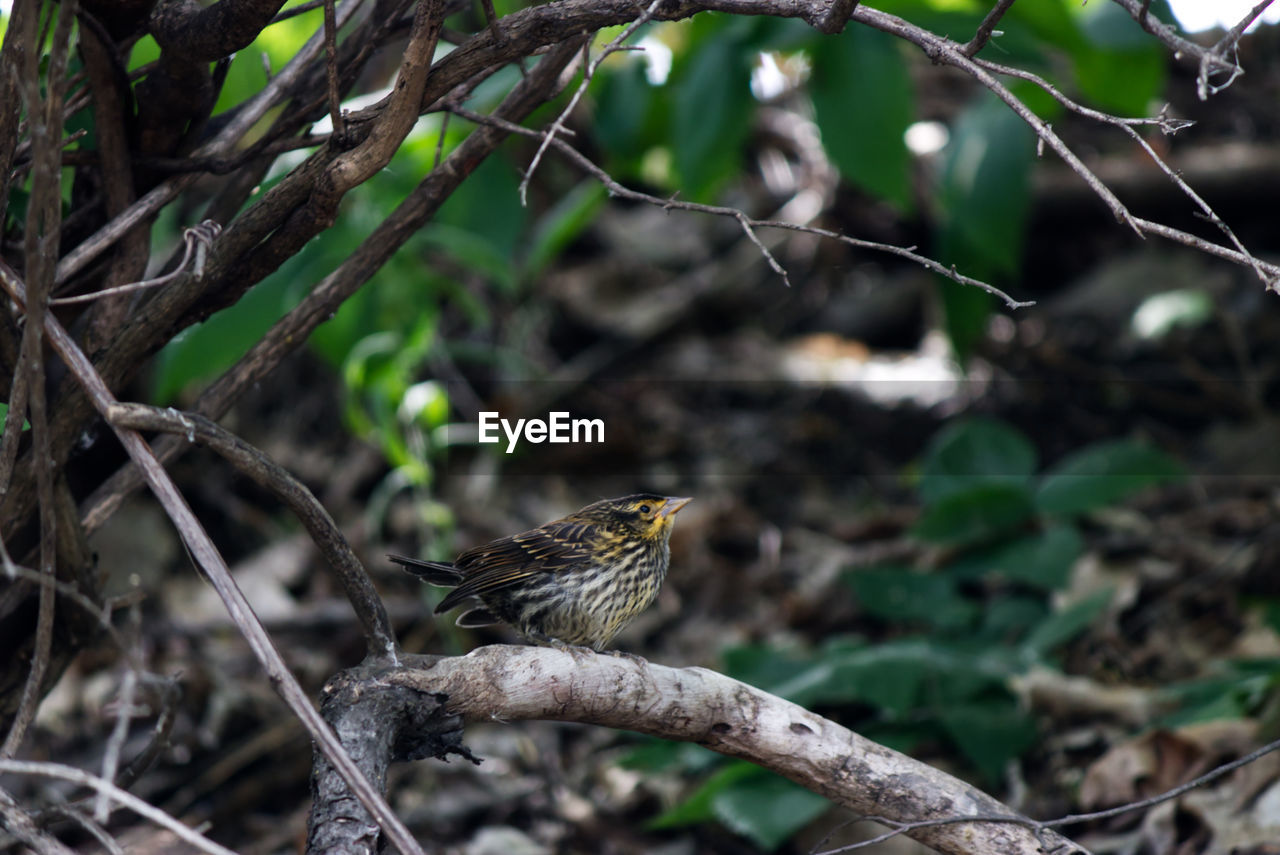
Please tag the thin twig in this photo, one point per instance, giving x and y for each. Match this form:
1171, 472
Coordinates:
1167, 125
1229, 42
898, 827
23, 827
14, 421
986, 28
267, 473
331, 69
1209, 60
147, 811
491, 16
588, 73
124, 715
837, 16
198, 239
301, 8
43, 230
748, 224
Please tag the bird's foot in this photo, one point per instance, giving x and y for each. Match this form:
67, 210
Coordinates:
577, 651
622, 654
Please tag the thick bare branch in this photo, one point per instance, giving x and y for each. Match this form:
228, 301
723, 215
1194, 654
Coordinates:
696, 705
207, 33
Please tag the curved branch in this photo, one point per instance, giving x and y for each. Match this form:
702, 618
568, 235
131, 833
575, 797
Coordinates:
696, 705
268, 474
205, 34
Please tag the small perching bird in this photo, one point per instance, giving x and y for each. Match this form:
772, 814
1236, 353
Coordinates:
575, 581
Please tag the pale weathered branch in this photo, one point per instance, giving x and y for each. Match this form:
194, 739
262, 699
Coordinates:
507, 683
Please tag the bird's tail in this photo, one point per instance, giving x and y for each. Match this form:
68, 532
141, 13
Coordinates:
435, 572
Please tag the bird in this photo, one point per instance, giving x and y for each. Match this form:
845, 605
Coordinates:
571, 583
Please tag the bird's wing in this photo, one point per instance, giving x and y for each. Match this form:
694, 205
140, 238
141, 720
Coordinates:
513, 559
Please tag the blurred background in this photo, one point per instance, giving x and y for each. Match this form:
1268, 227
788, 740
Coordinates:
1035, 547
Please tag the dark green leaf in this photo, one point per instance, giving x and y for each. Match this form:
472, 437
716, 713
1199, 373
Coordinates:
698, 808
712, 114
976, 515
660, 755
767, 809
487, 206
990, 734
863, 103
559, 226
984, 190
4, 413
900, 594
971, 452
627, 121
983, 198
1065, 625
1042, 560
1009, 617
1103, 474
1124, 82
966, 310
766, 666
900, 676
205, 350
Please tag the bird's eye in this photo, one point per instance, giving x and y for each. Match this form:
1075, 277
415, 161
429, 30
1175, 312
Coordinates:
644, 509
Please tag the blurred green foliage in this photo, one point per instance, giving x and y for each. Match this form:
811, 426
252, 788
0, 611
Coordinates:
948, 639
684, 126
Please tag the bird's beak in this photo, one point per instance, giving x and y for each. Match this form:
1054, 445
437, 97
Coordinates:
673, 504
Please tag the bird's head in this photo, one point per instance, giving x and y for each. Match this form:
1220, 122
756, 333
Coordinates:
646, 515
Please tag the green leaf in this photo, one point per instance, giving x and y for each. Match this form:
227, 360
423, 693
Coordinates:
205, 350
1103, 474
966, 310
1008, 618
983, 198
1123, 82
628, 118
1061, 627
990, 734
559, 226
972, 452
900, 594
900, 676
698, 807
978, 514
1042, 560
766, 808
661, 755
863, 103
767, 666
984, 190
474, 250
712, 114
487, 205
4, 414
1120, 68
